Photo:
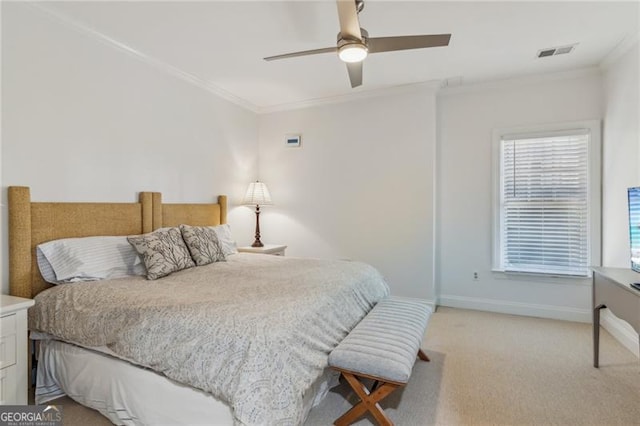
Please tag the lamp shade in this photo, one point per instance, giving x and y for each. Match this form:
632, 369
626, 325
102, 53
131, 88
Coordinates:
257, 194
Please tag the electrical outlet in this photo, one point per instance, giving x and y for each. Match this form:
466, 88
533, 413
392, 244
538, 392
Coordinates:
475, 276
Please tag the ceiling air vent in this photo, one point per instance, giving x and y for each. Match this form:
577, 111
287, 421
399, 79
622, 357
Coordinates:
553, 51
546, 52
563, 50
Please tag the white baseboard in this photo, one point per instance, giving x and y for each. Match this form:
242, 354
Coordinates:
620, 330
517, 308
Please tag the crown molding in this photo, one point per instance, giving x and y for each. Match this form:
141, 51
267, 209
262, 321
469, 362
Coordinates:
149, 60
513, 82
176, 72
427, 86
626, 44
433, 86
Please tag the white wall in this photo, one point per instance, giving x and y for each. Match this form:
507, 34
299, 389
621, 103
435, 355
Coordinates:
360, 187
621, 154
83, 121
621, 170
466, 119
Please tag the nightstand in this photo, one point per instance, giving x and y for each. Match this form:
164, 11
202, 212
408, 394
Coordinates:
13, 350
274, 249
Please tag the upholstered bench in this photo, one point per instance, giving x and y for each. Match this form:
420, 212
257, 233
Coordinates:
382, 347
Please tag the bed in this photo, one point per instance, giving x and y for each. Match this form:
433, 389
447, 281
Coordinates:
244, 341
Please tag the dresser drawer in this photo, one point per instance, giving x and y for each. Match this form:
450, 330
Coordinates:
7, 325
8, 381
7, 340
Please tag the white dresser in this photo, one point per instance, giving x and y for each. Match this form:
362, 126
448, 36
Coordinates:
14, 359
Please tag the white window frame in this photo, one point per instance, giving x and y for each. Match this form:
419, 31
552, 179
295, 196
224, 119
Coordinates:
594, 185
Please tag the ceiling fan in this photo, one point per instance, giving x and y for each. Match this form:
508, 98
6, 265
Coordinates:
354, 43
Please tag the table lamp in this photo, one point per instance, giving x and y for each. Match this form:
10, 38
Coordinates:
257, 195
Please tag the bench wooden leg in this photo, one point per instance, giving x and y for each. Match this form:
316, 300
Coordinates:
368, 401
423, 356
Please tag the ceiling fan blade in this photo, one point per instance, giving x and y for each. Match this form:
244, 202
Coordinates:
389, 44
302, 53
355, 73
348, 16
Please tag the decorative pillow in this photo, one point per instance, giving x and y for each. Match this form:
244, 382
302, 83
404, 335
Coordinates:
87, 259
163, 252
226, 240
203, 244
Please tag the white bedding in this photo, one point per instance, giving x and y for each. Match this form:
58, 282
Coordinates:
254, 331
130, 395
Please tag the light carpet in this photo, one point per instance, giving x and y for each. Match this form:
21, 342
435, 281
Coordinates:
494, 369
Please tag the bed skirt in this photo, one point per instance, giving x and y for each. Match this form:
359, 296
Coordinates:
131, 395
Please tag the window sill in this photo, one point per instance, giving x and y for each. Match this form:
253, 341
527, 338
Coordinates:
542, 278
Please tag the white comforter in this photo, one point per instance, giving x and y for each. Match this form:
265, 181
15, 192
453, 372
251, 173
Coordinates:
254, 331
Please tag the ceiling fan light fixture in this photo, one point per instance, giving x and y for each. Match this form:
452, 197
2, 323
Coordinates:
353, 52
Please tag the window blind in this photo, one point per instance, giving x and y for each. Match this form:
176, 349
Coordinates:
545, 204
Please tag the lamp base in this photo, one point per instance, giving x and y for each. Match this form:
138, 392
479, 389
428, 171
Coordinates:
257, 242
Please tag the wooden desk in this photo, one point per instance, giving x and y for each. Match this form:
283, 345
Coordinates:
611, 290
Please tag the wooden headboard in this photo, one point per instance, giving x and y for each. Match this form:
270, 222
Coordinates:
33, 223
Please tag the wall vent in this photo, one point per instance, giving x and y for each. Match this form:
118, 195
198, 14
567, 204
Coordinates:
553, 51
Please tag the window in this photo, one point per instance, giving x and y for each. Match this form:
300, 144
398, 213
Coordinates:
548, 205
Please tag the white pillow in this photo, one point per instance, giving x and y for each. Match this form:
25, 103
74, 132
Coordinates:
225, 239
88, 259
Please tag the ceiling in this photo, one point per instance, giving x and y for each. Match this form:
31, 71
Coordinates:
222, 43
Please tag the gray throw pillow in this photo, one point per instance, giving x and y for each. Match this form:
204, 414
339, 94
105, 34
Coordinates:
203, 244
163, 252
